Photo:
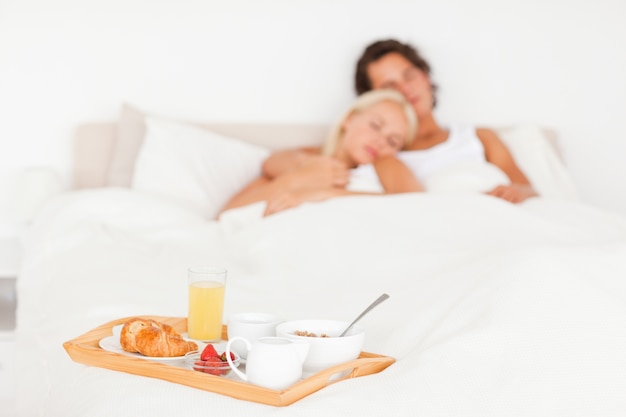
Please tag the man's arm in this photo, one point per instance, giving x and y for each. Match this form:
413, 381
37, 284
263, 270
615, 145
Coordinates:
498, 154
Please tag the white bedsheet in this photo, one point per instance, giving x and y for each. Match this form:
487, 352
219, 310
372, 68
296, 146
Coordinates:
495, 309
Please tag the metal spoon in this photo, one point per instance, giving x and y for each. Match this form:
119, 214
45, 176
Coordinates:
371, 306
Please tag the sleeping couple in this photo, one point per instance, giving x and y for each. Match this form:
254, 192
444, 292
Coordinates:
387, 142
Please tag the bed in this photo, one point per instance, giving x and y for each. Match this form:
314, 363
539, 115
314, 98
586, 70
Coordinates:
495, 309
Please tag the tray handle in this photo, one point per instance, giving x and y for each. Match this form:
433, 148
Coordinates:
356, 368
364, 365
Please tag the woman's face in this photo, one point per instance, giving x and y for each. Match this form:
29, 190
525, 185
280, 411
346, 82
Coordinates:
396, 72
372, 133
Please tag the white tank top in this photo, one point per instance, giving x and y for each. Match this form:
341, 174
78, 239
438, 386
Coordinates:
462, 146
456, 165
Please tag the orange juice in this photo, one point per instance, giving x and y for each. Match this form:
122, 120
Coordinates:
206, 303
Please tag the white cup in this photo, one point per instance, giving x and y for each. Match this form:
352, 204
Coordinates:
273, 362
251, 326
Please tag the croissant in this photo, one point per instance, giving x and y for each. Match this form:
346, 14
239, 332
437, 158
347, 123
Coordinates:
152, 338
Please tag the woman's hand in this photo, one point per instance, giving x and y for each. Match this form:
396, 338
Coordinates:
317, 172
513, 193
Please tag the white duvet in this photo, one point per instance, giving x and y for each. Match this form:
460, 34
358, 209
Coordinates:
495, 309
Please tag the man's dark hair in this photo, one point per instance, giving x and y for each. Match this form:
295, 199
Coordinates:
377, 50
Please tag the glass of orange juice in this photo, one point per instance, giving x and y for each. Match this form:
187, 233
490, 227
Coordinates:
206, 302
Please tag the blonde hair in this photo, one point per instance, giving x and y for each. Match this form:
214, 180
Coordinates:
365, 101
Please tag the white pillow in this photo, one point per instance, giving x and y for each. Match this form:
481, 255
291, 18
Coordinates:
194, 167
538, 159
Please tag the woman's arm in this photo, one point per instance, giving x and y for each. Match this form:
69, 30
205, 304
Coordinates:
287, 199
258, 190
280, 196
281, 162
319, 179
313, 170
398, 177
321, 176
395, 176
498, 154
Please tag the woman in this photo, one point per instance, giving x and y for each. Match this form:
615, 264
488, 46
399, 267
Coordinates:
375, 127
395, 65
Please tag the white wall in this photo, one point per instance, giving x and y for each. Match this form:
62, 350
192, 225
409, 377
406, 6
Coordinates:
557, 63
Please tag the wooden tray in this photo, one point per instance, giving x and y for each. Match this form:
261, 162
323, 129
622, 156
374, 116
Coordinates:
86, 350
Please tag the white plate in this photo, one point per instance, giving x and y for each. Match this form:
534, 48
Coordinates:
112, 344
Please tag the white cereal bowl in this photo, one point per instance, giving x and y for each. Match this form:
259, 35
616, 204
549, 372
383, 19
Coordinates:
325, 351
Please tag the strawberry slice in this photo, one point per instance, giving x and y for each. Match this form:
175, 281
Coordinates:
209, 352
217, 364
198, 365
223, 356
